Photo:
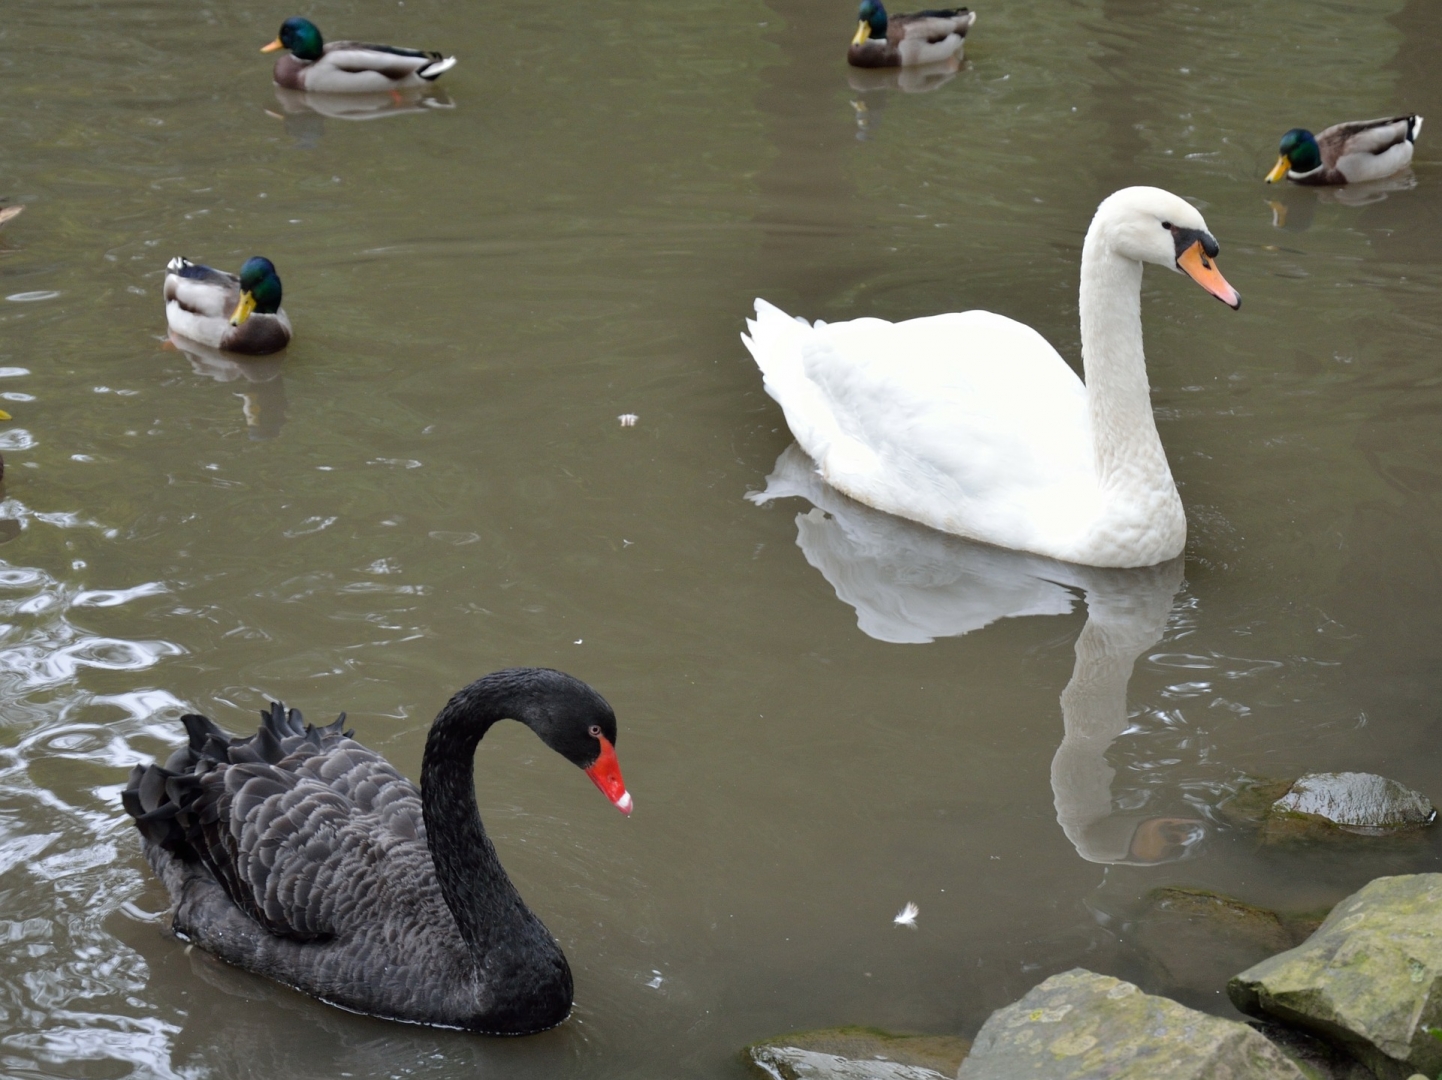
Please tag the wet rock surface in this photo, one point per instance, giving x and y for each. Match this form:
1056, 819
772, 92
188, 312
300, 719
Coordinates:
857, 1053
1369, 980
1316, 1059
1353, 801
1198, 939
1079, 1025
1328, 807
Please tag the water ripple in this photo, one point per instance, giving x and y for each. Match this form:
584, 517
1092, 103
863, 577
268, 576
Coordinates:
70, 991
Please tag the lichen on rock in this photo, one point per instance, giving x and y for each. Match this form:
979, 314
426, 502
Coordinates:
1079, 1025
1369, 979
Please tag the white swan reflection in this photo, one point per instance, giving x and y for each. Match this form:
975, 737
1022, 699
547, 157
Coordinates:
912, 584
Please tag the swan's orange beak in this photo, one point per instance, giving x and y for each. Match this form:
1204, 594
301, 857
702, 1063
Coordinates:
1195, 264
276, 44
606, 775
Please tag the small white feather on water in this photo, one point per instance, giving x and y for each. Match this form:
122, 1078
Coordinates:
907, 915
628, 419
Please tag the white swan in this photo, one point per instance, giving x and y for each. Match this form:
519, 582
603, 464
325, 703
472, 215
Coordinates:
971, 423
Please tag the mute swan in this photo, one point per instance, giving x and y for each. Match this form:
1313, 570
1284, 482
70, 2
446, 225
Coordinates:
302, 856
972, 424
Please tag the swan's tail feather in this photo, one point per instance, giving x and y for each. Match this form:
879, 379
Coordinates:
201, 729
774, 340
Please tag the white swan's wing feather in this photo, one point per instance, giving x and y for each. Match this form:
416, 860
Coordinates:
968, 422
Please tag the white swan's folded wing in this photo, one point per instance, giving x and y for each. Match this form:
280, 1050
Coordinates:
970, 423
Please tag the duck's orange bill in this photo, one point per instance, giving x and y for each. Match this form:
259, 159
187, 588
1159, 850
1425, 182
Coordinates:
276, 44
606, 775
1197, 266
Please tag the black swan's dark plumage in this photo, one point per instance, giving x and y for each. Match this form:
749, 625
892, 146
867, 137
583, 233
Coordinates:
301, 855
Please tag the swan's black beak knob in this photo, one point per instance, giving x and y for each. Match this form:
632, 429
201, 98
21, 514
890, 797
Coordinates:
605, 773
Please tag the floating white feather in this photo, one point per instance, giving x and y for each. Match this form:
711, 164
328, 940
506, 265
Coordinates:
907, 915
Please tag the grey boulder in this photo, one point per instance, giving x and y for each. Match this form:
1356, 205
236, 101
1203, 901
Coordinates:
857, 1053
1356, 802
1082, 1026
1369, 979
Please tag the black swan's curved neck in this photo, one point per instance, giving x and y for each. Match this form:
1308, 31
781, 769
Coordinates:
505, 939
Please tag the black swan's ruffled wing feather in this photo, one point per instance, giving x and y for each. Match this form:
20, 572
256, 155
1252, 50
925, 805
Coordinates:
285, 821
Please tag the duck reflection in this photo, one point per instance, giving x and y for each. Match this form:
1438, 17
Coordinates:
305, 113
918, 79
921, 79
1294, 207
263, 387
912, 584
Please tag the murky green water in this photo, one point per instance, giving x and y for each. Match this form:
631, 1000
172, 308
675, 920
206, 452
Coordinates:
433, 483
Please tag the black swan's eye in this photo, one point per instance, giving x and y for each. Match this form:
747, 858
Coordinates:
595, 731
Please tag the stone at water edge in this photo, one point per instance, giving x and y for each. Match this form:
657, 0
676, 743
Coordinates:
1198, 939
1356, 802
1079, 1025
857, 1053
1369, 979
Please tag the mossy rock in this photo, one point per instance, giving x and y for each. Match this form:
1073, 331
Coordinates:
1199, 939
1369, 980
1249, 806
1083, 1026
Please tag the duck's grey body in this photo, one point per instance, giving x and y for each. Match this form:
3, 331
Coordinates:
925, 37
1363, 150
353, 67
199, 301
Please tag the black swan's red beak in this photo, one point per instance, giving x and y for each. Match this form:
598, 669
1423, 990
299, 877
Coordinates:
606, 775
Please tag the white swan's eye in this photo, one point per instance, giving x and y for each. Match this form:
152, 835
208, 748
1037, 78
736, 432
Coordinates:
1167, 225
595, 731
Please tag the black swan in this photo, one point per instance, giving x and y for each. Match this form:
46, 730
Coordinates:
302, 856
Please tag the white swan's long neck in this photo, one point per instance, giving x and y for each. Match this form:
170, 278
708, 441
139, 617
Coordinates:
1129, 454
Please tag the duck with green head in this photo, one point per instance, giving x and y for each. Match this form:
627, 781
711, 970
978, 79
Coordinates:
239, 314
927, 37
349, 67
1347, 153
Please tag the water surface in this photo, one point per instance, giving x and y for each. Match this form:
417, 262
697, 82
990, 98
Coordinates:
823, 714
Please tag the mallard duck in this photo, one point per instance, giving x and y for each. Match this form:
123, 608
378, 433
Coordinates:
349, 67
237, 314
972, 424
1347, 153
905, 40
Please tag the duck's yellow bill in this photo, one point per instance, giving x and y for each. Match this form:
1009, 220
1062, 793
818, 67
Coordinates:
863, 33
243, 309
4, 415
1195, 264
276, 44
1279, 170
